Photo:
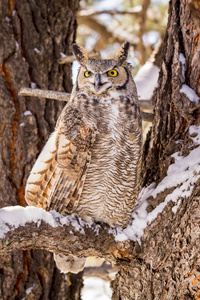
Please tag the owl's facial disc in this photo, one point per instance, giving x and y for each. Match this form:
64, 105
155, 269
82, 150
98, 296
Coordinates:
100, 76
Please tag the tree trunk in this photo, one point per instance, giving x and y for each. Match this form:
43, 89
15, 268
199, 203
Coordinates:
32, 34
167, 264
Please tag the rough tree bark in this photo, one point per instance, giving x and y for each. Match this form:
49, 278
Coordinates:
32, 35
167, 264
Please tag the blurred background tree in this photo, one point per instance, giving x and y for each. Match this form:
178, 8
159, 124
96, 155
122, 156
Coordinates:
105, 24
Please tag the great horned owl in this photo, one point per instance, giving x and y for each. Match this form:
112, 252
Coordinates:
90, 164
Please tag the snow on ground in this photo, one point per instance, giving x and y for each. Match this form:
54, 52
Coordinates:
146, 80
96, 288
183, 173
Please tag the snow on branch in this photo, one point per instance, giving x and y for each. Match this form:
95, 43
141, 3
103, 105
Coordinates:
34, 228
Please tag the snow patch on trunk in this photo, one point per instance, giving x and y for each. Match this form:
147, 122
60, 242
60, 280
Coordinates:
182, 174
190, 93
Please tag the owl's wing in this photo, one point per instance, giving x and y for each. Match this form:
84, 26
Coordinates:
57, 178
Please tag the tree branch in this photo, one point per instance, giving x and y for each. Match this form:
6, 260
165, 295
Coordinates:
71, 58
131, 11
34, 228
148, 117
66, 59
144, 104
44, 94
104, 271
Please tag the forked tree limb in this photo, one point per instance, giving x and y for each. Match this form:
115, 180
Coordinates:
144, 104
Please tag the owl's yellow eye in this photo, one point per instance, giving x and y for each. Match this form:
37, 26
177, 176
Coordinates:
87, 73
112, 73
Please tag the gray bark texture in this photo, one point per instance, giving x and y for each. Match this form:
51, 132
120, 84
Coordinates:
32, 35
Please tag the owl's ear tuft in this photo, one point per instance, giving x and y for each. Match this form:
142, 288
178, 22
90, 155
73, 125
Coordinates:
80, 54
122, 53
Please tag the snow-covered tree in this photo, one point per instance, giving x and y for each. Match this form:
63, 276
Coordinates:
157, 256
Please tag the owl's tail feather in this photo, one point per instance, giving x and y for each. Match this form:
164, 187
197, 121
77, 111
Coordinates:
69, 263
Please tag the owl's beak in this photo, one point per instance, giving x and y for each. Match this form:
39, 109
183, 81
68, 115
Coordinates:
97, 82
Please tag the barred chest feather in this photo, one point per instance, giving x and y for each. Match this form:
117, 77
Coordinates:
110, 188
90, 165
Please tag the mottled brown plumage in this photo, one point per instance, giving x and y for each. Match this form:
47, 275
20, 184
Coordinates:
90, 165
